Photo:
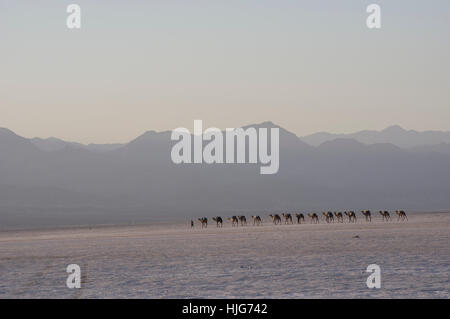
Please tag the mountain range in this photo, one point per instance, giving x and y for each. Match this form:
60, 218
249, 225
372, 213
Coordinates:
393, 134
49, 182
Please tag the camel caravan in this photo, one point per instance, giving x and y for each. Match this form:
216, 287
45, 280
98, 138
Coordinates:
314, 218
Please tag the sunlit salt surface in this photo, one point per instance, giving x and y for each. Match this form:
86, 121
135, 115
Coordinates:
287, 261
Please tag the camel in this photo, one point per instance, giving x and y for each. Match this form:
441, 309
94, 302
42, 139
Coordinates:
300, 217
204, 222
328, 217
276, 219
314, 218
287, 218
243, 220
340, 217
385, 215
218, 221
367, 214
401, 215
331, 217
234, 221
351, 216
257, 221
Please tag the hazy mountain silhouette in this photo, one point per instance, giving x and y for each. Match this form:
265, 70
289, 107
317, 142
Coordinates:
443, 148
11, 143
137, 181
55, 144
393, 134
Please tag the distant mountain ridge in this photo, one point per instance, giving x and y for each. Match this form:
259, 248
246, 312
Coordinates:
52, 144
394, 135
137, 181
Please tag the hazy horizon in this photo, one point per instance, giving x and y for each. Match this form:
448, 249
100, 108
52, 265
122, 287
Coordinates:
223, 128
329, 177
308, 66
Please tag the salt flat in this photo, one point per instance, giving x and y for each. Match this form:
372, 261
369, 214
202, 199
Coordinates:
288, 261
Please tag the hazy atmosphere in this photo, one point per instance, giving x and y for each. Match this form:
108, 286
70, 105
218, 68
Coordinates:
308, 66
120, 177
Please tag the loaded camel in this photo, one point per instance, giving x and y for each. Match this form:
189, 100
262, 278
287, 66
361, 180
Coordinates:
257, 221
276, 219
385, 215
218, 221
367, 214
300, 217
234, 221
339, 217
287, 218
351, 216
204, 222
314, 218
328, 217
401, 215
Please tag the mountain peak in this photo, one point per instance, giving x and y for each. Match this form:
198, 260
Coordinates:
5, 131
394, 129
150, 136
268, 124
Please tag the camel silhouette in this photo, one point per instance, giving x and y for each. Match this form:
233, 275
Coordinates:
234, 221
367, 214
204, 222
300, 218
314, 218
276, 219
257, 221
287, 218
385, 215
351, 216
243, 220
401, 215
328, 217
339, 217
218, 221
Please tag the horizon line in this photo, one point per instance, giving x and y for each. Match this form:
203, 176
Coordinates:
268, 122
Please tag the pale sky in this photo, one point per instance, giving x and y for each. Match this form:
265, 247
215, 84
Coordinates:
308, 66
